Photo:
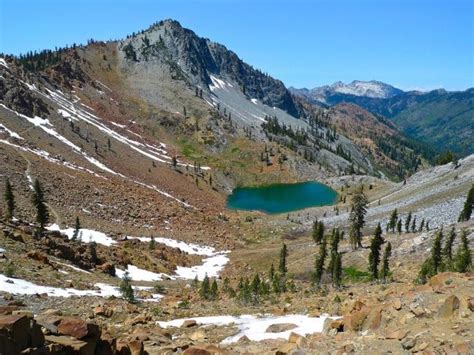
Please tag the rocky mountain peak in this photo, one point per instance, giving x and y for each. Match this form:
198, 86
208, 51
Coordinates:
195, 59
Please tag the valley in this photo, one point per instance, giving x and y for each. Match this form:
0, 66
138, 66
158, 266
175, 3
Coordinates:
123, 232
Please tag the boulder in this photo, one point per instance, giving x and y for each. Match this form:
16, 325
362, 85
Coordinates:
355, 320
287, 348
373, 319
78, 328
103, 311
397, 334
16, 328
397, 304
38, 256
470, 304
297, 339
189, 323
107, 268
280, 327
136, 347
449, 307
71, 345
6, 310
198, 335
194, 350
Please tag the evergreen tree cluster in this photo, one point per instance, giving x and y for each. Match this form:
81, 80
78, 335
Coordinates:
334, 268
442, 258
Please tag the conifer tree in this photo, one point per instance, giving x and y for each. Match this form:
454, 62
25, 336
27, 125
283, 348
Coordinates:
318, 231
283, 254
42, 214
422, 225
255, 287
436, 251
152, 243
271, 273
463, 259
337, 271
358, 210
335, 238
319, 263
214, 291
374, 255
399, 226
413, 225
77, 229
126, 288
407, 222
9, 200
393, 220
448, 248
205, 289
467, 209
385, 270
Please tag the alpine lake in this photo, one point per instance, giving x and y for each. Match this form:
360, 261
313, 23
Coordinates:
282, 198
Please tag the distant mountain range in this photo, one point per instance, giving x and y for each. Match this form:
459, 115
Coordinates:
442, 119
373, 88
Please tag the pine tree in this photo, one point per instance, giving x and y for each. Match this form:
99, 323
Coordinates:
318, 231
467, 210
385, 270
413, 225
9, 200
358, 210
436, 251
42, 214
283, 254
77, 229
152, 243
205, 288
337, 271
92, 247
463, 259
335, 238
319, 263
214, 291
393, 220
255, 287
399, 226
374, 255
407, 222
448, 248
126, 288
422, 225
271, 274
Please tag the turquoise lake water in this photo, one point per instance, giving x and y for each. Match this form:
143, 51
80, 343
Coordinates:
281, 198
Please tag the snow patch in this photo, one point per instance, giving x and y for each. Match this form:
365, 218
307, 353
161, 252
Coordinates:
254, 327
85, 235
137, 274
211, 266
3, 63
10, 132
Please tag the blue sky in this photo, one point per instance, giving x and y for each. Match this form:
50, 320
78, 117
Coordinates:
411, 44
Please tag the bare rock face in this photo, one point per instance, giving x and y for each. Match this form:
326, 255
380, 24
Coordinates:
16, 96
